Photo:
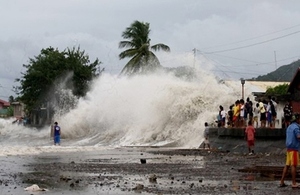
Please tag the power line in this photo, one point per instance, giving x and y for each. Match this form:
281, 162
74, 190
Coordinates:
236, 48
256, 63
253, 37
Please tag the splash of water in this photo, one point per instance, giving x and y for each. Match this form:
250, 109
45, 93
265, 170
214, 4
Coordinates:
143, 110
148, 110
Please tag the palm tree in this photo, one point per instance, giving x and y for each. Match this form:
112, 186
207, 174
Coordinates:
138, 42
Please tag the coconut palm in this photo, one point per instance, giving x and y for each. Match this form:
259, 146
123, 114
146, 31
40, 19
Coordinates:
138, 42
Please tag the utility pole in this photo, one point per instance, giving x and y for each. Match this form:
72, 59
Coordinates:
275, 60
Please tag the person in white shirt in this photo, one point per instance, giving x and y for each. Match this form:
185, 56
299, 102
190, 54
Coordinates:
255, 115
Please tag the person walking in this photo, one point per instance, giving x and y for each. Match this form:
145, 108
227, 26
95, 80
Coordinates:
292, 154
250, 137
206, 136
56, 134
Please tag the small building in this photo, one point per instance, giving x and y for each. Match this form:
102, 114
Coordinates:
294, 90
18, 109
4, 105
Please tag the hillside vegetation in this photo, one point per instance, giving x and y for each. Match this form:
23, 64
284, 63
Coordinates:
284, 73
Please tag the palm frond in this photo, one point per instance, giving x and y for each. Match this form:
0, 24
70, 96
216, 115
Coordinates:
123, 44
128, 53
160, 46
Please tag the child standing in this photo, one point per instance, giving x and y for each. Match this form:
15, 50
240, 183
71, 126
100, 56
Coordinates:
249, 132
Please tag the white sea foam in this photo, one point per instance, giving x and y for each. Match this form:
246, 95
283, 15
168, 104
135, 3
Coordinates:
143, 110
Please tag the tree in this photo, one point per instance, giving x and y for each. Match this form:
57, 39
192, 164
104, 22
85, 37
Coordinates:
278, 90
138, 42
50, 68
11, 99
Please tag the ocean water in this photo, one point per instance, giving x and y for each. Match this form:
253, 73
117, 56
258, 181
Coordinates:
149, 110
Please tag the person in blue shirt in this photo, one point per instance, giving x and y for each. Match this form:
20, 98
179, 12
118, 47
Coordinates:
292, 154
56, 134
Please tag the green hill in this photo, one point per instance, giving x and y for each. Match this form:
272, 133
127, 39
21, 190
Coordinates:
284, 73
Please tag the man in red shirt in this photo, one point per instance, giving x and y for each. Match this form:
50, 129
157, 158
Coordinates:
250, 131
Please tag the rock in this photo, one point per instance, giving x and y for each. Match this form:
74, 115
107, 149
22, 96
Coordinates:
63, 178
34, 188
153, 178
143, 161
138, 187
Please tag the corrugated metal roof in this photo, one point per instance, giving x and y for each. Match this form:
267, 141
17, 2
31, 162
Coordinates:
5, 103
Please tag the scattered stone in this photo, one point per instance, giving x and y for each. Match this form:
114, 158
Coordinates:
143, 161
153, 178
66, 179
138, 187
34, 188
72, 185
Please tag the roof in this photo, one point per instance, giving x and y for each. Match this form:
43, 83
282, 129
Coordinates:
5, 103
295, 80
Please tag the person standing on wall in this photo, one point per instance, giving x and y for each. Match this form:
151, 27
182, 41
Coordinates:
292, 154
262, 111
236, 113
223, 116
56, 134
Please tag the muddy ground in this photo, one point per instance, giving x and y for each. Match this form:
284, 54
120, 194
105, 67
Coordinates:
120, 171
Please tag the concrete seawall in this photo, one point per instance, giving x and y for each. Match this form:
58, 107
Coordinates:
232, 139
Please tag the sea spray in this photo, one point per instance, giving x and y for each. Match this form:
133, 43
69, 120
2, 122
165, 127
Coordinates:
148, 109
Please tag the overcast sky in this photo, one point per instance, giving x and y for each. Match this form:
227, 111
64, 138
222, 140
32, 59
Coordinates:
237, 38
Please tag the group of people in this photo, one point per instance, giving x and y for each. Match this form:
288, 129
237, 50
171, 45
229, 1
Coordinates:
292, 146
241, 112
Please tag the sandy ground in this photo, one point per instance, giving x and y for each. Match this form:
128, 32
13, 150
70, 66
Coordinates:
120, 171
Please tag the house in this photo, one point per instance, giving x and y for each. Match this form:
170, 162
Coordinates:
4, 105
294, 90
18, 109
